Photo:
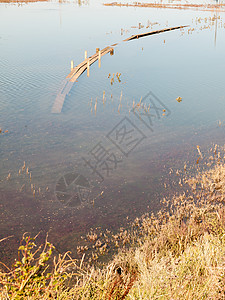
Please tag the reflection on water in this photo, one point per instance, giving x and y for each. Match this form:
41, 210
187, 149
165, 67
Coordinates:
76, 72
38, 149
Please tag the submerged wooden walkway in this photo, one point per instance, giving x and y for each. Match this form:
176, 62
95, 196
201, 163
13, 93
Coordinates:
72, 77
78, 70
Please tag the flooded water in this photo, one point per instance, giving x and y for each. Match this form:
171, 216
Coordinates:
106, 157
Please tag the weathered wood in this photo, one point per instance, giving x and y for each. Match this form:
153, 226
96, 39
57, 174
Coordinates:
140, 35
61, 96
83, 66
72, 77
78, 70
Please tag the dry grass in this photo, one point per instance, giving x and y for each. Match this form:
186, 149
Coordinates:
22, 1
178, 253
201, 7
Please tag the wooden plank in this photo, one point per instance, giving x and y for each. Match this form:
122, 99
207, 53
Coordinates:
79, 69
58, 104
61, 96
137, 36
71, 78
92, 60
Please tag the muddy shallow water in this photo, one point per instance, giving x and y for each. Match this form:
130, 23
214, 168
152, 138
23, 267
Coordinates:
100, 160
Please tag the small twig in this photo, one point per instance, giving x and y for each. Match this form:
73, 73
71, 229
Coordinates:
6, 238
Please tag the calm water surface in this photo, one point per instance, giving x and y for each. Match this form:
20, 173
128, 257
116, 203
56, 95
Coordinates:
37, 43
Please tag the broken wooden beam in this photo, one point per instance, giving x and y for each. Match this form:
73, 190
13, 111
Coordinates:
72, 77
79, 69
140, 35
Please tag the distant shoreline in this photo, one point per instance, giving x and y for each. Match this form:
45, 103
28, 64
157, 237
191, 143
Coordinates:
203, 7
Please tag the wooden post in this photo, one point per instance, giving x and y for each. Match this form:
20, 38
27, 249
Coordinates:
72, 65
88, 68
85, 55
99, 59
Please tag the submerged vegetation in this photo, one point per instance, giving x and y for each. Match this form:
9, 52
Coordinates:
178, 253
175, 253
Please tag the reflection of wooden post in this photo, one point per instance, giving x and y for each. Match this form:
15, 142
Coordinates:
72, 65
99, 59
85, 55
88, 68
